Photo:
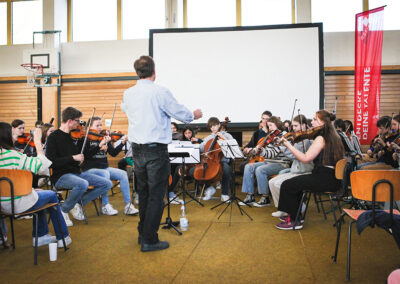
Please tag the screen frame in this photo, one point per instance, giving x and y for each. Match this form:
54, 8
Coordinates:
319, 26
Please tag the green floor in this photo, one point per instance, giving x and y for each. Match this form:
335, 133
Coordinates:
211, 251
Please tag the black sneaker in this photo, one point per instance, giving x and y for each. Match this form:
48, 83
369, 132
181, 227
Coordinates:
249, 199
264, 201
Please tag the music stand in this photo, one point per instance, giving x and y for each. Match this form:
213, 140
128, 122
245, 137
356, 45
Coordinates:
230, 149
183, 153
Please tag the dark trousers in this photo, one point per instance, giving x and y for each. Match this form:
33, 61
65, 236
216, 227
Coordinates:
226, 177
322, 179
152, 171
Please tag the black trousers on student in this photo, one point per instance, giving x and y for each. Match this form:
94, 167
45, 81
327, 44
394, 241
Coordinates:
322, 179
152, 170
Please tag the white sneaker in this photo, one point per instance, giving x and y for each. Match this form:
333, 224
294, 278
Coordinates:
68, 241
209, 192
224, 197
279, 214
109, 210
218, 186
25, 217
77, 212
175, 200
67, 220
1, 241
44, 240
136, 198
130, 209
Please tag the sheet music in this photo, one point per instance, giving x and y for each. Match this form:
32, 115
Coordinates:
231, 149
184, 147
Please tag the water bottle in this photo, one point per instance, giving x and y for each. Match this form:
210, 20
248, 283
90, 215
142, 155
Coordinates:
184, 224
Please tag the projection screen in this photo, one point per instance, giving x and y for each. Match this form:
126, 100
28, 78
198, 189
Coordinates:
242, 71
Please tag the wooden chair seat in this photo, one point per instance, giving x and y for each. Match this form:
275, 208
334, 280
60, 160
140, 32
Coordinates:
355, 214
33, 211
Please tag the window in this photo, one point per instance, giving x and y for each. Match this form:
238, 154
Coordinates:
94, 20
266, 12
3, 23
390, 14
139, 16
179, 13
27, 17
211, 13
337, 15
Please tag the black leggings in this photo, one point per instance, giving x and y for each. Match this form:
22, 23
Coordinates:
322, 179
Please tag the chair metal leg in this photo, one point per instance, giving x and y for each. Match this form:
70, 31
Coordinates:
298, 215
95, 206
316, 202
60, 228
333, 209
35, 222
12, 231
339, 228
322, 205
308, 198
349, 251
84, 212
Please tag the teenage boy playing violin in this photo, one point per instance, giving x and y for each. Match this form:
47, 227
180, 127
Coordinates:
64, 152
96, 163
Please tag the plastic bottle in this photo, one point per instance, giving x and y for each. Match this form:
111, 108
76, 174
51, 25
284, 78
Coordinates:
184, 224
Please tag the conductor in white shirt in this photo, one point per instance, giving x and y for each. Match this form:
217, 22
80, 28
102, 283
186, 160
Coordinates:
149, 108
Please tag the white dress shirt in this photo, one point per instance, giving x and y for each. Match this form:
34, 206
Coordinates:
149, 108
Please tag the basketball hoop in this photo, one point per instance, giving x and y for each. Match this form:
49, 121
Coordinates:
32, 69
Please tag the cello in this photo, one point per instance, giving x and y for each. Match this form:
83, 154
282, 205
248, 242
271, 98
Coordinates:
210, 169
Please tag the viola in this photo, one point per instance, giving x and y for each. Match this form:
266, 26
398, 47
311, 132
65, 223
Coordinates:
253, 157
210, 169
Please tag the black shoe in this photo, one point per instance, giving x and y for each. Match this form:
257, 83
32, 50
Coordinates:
153, 247
264, 201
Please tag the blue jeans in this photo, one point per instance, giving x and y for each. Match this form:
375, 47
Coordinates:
45, 197
78, 183
261, 171
114, 174
368, 163
3, 227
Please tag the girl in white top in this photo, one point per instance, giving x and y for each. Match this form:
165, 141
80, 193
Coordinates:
11, 159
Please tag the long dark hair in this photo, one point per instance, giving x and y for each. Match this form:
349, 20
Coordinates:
183, 133
45, 128
333, 150
6, 141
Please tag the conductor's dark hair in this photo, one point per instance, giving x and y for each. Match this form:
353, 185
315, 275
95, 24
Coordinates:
144, 67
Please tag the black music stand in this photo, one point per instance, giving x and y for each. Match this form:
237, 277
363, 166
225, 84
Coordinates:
183, 192
231, 150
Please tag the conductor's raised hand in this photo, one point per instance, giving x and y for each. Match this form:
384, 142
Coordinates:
197, 114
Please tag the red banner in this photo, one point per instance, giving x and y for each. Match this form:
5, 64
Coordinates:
367, 73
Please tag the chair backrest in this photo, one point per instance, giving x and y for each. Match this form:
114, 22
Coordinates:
362, 183
340, 167
21, 180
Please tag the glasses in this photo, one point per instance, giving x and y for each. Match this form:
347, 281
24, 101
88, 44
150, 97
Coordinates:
77, 120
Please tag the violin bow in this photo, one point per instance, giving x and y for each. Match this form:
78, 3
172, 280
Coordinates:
87, 131
112, 118
291, 119
301, 123
27, 144
334, 110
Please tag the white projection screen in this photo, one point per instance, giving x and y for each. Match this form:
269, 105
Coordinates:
240, 72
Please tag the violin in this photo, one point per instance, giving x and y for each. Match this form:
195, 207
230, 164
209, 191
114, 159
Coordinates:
299, 136
26, 139
80, 133
116, 135
253, 157
210, 169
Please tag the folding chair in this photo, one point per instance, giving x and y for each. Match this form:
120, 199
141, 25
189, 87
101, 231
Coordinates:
339, 174
374, 186
15, 184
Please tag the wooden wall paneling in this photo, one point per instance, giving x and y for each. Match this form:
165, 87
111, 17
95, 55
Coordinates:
101, 95
18, 101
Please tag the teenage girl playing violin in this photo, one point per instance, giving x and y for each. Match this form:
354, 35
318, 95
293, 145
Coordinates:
325, 151
96, 162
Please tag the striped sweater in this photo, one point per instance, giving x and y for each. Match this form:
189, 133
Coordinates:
11, 159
